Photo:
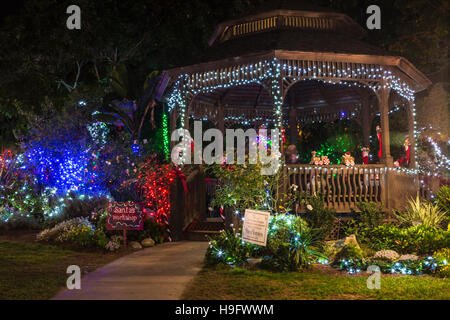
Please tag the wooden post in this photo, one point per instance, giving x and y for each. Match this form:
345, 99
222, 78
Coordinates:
173, 125
383, 105
221, 117
293, 125
412, 138
186, 118
176, 216
365, 115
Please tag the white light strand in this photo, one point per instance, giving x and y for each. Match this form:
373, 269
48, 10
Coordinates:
205, 82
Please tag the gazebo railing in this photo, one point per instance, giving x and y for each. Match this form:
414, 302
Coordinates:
342, 187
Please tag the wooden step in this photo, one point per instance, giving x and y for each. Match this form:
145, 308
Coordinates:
201, 235
203, 230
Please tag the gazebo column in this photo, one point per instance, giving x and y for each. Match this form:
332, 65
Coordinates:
411, 135
173, 124
365, 115
383, 104
221, 117
186, 118
293, 125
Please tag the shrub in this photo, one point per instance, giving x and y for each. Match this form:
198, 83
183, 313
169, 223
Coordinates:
443, 200
151, 229
241, 186
78, 231
371, 215
443, 258
82, 206
228, 248
350, 251
420, 239
421, 212
319, 218
10, 219
59, 231
290, 244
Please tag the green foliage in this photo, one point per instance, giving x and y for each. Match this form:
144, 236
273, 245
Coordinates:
82, 207
421, 212
84, 236
319, 218
427, 265
443, 258
151, 229
443, 200
242, 186
78, 231
126, 105
330, 139
228, 248
419, 239
290, 244
17, 221
371, 215
349, 251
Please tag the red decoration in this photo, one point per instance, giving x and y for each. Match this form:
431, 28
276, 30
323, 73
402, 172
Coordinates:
404, 161
182, 177
153, 186
365, 155
379, 141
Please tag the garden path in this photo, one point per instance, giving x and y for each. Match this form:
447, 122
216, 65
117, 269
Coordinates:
157, 273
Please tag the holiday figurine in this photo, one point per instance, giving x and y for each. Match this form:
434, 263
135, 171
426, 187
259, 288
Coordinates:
365, 154
316, 160
291, 154
325, 160
348, 160
404, 161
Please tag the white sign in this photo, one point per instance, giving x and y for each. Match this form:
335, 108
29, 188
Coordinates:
256, 225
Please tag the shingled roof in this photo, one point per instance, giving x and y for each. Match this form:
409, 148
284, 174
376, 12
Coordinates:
287, 29
292, 40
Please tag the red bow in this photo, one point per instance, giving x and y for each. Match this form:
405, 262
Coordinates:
182, 176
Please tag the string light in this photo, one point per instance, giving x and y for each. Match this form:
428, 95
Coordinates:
270, 74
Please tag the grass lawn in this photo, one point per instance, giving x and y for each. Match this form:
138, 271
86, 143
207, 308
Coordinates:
38, 271
318, 283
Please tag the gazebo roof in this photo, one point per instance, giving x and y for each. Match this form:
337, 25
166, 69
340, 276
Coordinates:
290, 40
295, 31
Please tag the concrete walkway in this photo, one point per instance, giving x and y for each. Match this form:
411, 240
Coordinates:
157, 273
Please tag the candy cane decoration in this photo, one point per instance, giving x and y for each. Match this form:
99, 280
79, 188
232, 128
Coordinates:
221, 213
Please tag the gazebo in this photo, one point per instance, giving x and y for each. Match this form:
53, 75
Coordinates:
284, 67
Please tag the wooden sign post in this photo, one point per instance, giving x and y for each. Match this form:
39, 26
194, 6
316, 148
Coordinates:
124, 216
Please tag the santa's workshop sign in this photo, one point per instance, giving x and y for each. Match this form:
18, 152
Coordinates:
124, 216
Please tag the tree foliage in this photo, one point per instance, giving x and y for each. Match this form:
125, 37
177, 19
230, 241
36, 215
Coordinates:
42, 60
